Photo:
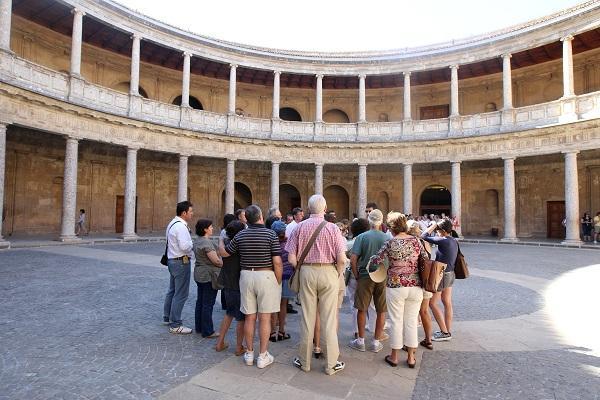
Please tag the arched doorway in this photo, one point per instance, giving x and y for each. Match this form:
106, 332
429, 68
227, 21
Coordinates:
242, 197
436, 199
289, 197
337, 200
289, 114
383, 202
336, 116
194, 102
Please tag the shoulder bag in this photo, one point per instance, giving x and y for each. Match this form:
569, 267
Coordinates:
461, 270
294, 282
431, 272
164, 259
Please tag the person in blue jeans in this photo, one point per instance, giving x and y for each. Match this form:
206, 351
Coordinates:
208, 265
179, 254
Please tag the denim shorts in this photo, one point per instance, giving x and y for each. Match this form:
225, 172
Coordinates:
286, 292
232, 304
447, 281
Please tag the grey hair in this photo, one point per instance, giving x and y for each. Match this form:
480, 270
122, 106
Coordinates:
253, 214
317, 204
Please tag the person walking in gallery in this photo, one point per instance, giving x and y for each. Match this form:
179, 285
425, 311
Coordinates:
229, 277
80, 228
206, 269
319, 282
260, 281
447, 250
363, 248
404, 291
179, 255
587, 225
597, 227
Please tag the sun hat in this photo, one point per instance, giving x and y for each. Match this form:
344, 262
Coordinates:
376, 217
377, 275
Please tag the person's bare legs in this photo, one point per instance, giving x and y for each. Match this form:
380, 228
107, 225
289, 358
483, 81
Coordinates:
426, 320
249, 325
437, 312
282, 315
239, 335
379, 324
448, 312
264, 330
361, 320
225, 324
410, 358
394, 356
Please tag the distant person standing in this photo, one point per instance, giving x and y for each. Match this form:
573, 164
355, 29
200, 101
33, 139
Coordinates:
179, 254
298, 215
80, 228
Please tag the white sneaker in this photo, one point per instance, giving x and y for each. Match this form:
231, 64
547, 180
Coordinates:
180, 330
376, 346
264, 361
249, 358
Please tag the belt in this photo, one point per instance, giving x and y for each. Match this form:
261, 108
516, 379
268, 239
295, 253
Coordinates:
178, 258
319, 264
258, 269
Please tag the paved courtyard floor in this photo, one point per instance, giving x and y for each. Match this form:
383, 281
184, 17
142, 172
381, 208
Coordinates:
84, 322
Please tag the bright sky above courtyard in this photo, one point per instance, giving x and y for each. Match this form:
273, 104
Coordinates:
344, 25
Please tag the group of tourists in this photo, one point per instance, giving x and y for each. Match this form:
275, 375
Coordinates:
590, 227
257, 261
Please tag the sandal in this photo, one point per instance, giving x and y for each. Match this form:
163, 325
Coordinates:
282, 336
426, 344
224, 347
240, 352
273, 337
390, 362
317, 352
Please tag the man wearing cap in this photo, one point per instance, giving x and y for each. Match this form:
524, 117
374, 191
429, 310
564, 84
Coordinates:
366, 245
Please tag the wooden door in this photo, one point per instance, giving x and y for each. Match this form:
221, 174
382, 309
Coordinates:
119, 214
555, 217
435, 112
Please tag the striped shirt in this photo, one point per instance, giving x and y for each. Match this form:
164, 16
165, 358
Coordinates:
256, 247
328, 245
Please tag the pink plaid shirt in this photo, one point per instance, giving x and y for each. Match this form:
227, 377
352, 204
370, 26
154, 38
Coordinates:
328, 245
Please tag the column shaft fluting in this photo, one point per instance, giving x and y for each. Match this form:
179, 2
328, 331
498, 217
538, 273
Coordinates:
571, 198
510, 225
185, 82
5, 23
232, 86
274, 184
568, 84
2, 173
135, 66
76, 41
507, 82
319, 179
407, 189
230, 187
319, 99
182, 184
276, 94
130, 194
456, 195
407, 106
362, 190
362, 102
454, 91
69, 197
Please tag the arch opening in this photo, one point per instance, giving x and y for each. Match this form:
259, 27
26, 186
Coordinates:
194, 102
289, 197
242, 197
289, 114
436, 199
336, 116
337, 200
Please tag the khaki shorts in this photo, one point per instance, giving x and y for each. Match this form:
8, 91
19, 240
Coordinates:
447, 281
260, 292
366, 290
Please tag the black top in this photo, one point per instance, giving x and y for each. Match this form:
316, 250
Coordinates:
256, 246
229, 276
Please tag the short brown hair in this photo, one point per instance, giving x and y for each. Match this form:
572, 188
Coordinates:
396, 222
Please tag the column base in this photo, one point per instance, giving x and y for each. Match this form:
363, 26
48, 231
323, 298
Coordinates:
4, 244
69, 238
572, 242
509, 239
129, 237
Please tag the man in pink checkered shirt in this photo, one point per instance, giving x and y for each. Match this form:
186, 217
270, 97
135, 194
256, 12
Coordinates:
319, 283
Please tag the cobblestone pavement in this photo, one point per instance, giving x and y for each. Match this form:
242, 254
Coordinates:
83, 322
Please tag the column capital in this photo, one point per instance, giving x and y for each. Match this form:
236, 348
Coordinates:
455, 162
186, 155
319, 76
570, 152
133, 148
362, 76
407, 164
276, 72
567, 38
455, 66
77, 11
231, 160
233, 66
71, 138
506, 55
187, 53
136, 36
319, 164
509, 158
407, 73
363, 165
275, 162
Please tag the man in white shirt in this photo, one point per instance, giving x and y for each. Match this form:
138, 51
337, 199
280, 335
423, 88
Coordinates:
179, 254
298, 217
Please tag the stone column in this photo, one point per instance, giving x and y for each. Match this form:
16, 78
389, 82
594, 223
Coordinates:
232, 84
76, 41
319, 100
454, 91
456, 195
362, 103
407, 189
230, 187
362, 190
185, 82
507, 81
69, 198
568, 86
5, 21
510, 225
274, 184
182, 185
276, 92
3, 243
130, 195
135, 65
571, 198
319, 179
407, 107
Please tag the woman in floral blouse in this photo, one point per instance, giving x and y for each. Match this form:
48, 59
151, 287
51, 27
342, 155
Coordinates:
404, 292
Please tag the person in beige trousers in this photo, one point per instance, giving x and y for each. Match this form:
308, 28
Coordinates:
319, 283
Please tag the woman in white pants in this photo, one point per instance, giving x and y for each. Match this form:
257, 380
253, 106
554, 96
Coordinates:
404, 291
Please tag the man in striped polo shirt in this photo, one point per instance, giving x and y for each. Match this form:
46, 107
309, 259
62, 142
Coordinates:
260, 281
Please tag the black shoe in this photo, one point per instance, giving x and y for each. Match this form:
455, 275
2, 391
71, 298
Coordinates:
290, 309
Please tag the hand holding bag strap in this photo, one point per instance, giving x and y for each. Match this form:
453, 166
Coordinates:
311, 242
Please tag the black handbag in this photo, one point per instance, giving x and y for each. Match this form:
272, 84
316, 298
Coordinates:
164, 259
461, 270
